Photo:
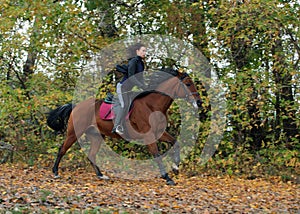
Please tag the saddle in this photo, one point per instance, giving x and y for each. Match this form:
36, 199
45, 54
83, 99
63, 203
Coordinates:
106, 108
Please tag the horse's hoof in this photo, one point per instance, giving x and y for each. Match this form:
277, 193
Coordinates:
104, 177
175, 169
171, 183
56, 176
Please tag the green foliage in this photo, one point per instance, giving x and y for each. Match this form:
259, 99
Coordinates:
268, 161
253, 45
42, 47
260, 75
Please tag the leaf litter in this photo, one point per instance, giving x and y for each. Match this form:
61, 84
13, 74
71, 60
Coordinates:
34, 189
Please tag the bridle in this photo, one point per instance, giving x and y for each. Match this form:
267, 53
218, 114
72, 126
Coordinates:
188, 94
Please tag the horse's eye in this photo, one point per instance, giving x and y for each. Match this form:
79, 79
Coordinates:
188, 84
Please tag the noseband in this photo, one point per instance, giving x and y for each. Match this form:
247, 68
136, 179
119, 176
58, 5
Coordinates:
188, 93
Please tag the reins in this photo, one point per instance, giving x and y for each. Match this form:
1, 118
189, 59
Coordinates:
184, 86
188, 93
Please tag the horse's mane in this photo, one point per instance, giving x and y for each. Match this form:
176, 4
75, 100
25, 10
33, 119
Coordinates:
157, 78
170, 71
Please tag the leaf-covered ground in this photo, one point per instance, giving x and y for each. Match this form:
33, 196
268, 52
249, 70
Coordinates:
33, 189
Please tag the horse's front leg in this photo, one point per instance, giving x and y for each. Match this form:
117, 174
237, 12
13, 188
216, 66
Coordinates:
158, 159
166, 137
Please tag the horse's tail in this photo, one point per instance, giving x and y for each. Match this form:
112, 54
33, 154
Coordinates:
58, 118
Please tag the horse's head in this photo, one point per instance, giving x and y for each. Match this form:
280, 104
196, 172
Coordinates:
188, 90
177, 85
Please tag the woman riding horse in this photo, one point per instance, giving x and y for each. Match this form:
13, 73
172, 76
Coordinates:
84, 118
135, 66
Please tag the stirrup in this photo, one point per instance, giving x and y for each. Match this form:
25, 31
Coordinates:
119, 130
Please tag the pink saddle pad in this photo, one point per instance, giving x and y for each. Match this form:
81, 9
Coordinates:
107, 113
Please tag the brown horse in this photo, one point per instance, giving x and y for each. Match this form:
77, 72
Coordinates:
84, 118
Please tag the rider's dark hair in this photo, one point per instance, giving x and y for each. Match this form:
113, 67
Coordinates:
133, 48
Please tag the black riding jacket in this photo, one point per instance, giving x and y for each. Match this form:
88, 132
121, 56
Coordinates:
135, 66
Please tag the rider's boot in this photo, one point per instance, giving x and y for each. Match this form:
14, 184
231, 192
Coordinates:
118, 125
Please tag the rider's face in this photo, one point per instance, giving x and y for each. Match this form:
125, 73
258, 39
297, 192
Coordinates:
141, 52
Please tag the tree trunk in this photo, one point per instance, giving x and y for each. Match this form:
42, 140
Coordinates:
284, 95
240, 50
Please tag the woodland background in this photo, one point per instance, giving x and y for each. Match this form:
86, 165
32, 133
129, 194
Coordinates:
253, 46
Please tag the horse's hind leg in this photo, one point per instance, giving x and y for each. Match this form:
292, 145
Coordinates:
95, 138
69, 141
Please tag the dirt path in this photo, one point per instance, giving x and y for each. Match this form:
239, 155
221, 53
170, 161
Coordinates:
35, 190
